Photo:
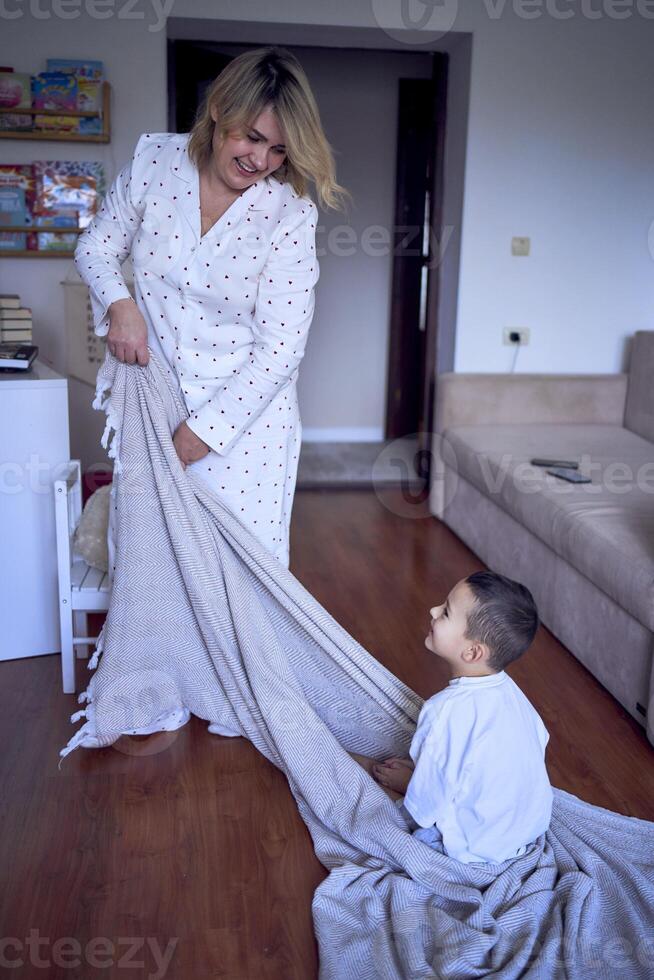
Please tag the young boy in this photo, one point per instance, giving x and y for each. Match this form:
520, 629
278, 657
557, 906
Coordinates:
475, 781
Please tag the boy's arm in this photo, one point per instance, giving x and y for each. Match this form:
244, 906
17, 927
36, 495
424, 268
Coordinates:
437, 750
426, 791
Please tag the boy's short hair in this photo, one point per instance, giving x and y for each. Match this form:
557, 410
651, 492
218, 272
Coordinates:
504, 617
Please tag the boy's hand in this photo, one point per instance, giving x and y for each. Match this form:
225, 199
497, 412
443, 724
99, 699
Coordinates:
404, 760
394, 773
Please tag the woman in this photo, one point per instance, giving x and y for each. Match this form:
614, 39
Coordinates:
222, 239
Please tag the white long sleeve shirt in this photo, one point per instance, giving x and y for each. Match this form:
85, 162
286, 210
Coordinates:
480, 778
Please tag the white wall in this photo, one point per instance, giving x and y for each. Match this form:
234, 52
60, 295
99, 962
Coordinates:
559, 147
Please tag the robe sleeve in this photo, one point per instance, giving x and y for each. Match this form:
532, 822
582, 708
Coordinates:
283, 313
106, 242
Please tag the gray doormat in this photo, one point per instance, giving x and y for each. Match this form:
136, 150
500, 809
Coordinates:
392, 462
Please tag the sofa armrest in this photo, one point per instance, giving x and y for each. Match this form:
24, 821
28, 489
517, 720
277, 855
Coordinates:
502, 399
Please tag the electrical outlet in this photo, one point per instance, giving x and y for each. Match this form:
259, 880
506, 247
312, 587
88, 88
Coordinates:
522, 334
520, 245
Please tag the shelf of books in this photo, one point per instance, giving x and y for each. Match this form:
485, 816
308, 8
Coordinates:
69, 101
47, 117
46, 204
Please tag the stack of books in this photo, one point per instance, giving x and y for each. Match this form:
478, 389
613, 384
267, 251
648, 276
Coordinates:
15, 320
17, 351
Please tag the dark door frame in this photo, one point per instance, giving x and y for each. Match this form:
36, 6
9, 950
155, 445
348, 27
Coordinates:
411, 369
434, 262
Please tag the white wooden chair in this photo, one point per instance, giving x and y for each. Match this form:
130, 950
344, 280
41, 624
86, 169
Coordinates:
82, 588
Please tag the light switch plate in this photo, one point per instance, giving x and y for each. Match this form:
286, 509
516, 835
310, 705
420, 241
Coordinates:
520, 245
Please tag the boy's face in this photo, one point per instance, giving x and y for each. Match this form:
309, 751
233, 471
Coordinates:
446, 637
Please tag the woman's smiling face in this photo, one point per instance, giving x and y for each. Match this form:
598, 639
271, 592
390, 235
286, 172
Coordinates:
247, 156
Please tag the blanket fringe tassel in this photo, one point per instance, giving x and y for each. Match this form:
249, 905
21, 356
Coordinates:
103, 402
85, 736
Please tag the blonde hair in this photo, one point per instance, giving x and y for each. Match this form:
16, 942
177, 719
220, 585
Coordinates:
249, 84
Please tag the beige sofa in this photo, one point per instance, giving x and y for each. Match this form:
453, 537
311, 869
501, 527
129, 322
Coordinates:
586, 551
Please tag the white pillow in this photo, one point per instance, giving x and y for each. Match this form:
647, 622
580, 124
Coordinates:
90, 538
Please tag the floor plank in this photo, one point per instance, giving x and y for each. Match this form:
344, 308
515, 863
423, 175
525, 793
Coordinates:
195, 840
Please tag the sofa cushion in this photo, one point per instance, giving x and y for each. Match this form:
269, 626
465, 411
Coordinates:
605, 529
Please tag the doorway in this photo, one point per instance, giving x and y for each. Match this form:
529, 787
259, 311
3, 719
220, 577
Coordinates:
413, 326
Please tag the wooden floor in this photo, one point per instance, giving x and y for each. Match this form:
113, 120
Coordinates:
192, 843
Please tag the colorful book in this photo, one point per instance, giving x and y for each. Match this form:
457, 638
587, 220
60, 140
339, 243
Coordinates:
69, 186
89, 75
56, 124
89, 95
15, 92
21, 175
54, 90
92, 70
57, 241
13, 211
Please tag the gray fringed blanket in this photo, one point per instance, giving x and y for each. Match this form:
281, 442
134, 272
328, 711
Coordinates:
225, 630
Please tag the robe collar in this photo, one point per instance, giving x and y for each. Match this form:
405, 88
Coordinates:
255, 198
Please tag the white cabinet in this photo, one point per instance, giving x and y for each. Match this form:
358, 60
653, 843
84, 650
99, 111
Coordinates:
34, 452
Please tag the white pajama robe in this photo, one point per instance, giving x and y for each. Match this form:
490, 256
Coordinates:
229, 312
